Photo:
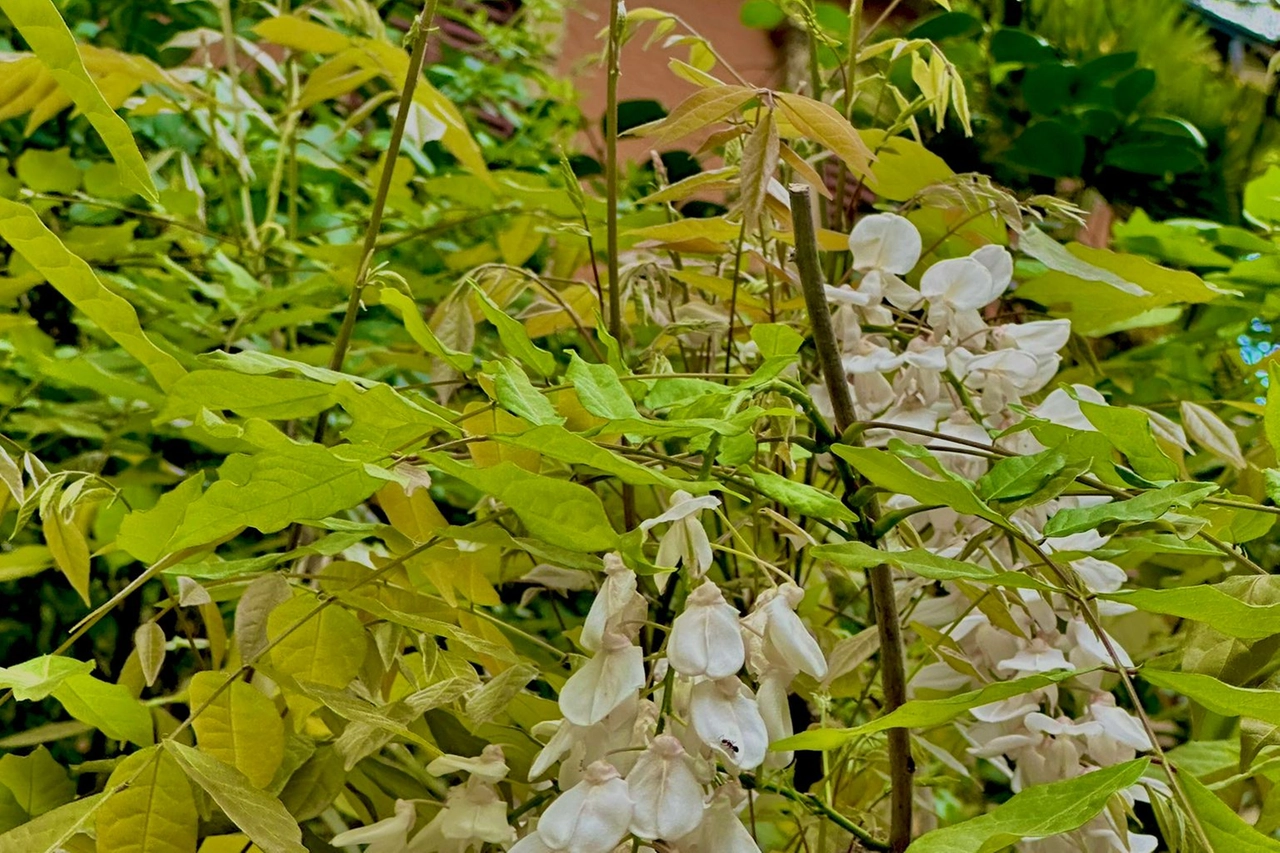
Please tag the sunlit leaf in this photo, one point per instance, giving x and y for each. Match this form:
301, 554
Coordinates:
239, 726
154, 810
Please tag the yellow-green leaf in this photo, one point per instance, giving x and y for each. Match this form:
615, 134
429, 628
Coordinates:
155, 810
262, 817
40, 24
824, 124
1227, 832
1219, 697
69, 549
35, 679
149, 641
21, 228
695, 112
326, 647
110, 708
37, 782
240, 726
420, 331
48, 833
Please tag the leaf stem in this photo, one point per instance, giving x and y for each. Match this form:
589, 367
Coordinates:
879, 578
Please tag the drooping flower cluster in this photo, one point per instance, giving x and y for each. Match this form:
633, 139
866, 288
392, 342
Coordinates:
655, 755
955, 376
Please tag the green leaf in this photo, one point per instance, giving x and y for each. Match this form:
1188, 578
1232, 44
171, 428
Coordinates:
327, 646
421, 332
269, 397
1129, 430
35, 679
259, 815
891, 473
515, 340
703, 107
49, 832
1210, 605
387, 419
1147, 506
856, 556
761, 15
825, 125
903, 166
1098, 303
270, 490
110, 708
807, 500
1217, 696
599, 390
571, 448
42, 28
37, 782
21, 228
1271, 418
315, 785
69, 548
923, 713
155, 810
776, 339
240, 727
1040, 811
516, 393
1225, 829
559, 512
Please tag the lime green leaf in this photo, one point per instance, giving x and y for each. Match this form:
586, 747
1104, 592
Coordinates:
37, 678
571, 448
269, 397
1096, 304
1211, 605
556, 511
270, 490
515, 340
1147, 506
387, 419
1225, 829
69, 548
21, 228
776, 339
49, 832
1217, 696
240, 727
903, 166
599, 390
155, 809
143, 533
923, 713
807, 500
1041, 811
516, 393
259, 815
37, 782
149, 642
1272, 410
327, 647
889, 472
859, 555
43, 29
420, 331
110, 708
1129, 430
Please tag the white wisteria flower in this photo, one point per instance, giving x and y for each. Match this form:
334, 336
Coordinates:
667, 797
956, 288
686, 540
617, 607
785, 635
884, 246
611, 677
726, 718
389, 835
591, 817
706, 639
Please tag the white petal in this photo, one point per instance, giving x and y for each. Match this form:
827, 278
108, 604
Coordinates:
531, 843
393, 829
560, 743
790, 638
885, 241
727, 719
999, 263
771, 699
591, 817
705, 638
957, 283
611, 677
682, 505
666, 795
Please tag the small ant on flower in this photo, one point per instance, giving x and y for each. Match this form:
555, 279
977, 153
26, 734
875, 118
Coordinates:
729, 745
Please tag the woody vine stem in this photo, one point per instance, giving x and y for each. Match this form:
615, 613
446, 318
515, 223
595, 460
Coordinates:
879, 578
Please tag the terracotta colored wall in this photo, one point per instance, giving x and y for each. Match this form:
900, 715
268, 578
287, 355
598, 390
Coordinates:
644, 72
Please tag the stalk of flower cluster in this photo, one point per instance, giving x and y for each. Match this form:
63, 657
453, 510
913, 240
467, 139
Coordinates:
880, 578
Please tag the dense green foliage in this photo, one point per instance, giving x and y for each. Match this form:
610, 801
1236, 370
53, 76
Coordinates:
365, 466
